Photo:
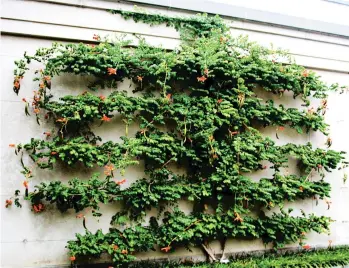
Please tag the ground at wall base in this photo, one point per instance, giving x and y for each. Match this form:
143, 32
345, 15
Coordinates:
327, 257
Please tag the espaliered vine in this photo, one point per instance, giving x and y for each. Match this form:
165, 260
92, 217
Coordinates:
197, 107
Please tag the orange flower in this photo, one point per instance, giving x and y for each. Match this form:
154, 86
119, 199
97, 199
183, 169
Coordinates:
47, 78
124, 251
112, 71
16, 84
36, 110
12, 145
222, 39
168, 96
324, 103
140, 78
232, 133
105, 118
166, 249
72, 258
8, 203
79, 216
48, 134
219, 101
306, 247
305, 73
237, 217
206, 71
24, 100
108, 169
319, 166
301, 188
201, 79
214, 156
115, 247
41, 85
26, 184
120, 182
303, 233
102, 97
38, 208
311, 110
96, 37
281, 128
53, 153
61, 120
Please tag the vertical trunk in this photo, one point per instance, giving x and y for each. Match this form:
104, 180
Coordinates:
223, 242
209, 253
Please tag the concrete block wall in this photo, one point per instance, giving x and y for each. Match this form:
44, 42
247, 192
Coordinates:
29, 240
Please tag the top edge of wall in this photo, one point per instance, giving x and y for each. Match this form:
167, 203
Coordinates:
225, 10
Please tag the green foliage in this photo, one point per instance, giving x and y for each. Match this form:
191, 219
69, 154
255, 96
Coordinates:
71, 151
179, 229
190, 26
78, 194
83, 109
145, 194
157, 149
121, 245
197, 107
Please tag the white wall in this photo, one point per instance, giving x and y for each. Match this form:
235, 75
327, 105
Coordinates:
310, 9
29, 240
